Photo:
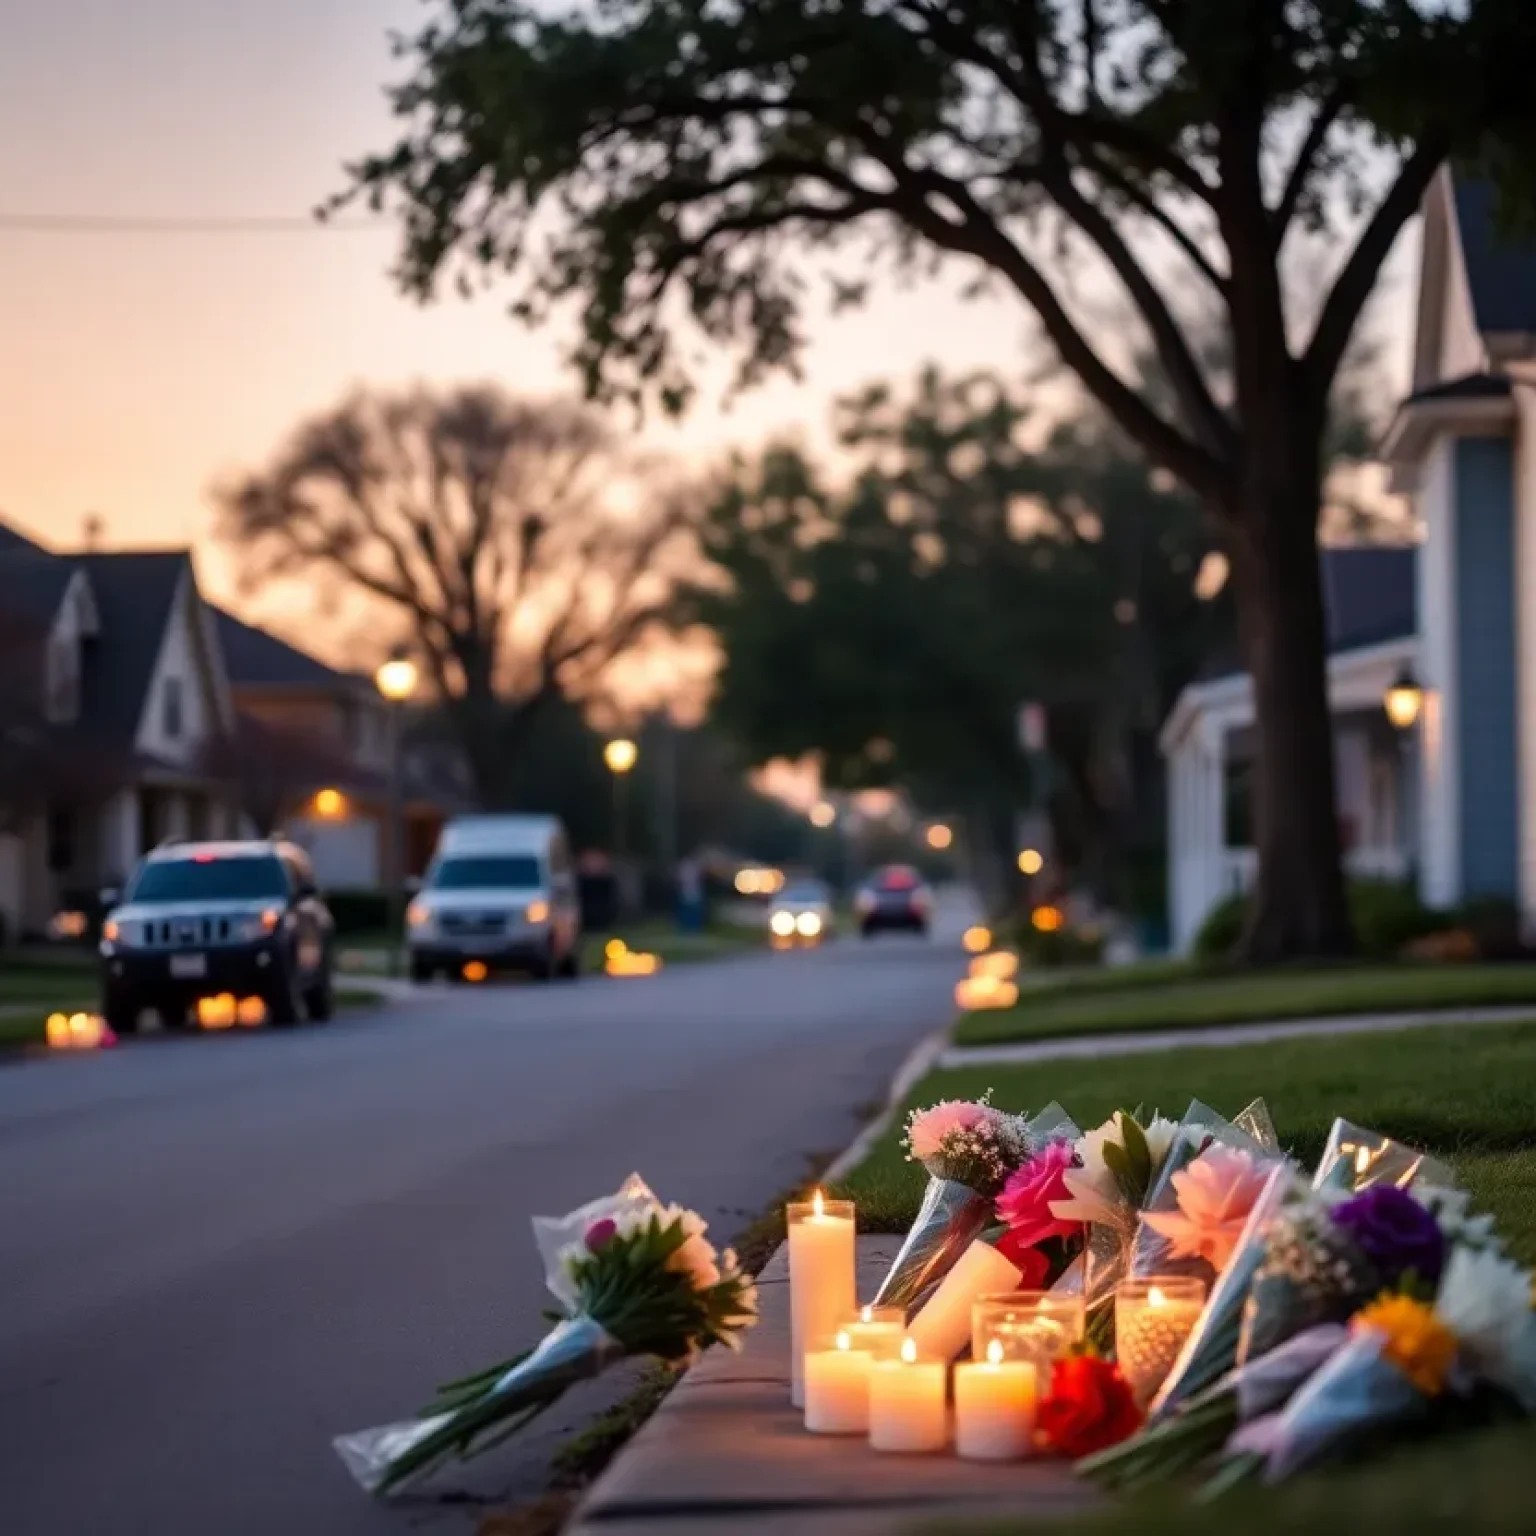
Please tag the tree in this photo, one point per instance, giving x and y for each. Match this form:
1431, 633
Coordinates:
962, 573
490, 526
689, 147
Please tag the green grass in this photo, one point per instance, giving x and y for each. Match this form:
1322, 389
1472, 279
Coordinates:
662, 938
1115, 1005
43, 985
1467, 1093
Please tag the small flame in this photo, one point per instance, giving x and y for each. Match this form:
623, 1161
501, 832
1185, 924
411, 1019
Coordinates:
818, 1205
843, 1341
867, 1315
995, 1352
908, 1352
1155, 1297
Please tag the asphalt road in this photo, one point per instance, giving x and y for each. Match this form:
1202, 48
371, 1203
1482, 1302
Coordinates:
217, 1253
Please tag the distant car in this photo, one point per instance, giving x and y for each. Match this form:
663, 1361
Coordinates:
893, 900
203, 919
801, 913
500, 894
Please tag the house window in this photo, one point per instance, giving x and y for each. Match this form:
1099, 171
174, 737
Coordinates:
63, 679
170, 709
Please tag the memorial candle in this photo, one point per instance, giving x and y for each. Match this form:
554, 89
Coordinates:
995, 1407
837, 1388
907, 1408
821, 1278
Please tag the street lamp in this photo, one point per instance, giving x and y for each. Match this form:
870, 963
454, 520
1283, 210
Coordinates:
396, 681
1031, 861
939, 837
1404, 700
621, 755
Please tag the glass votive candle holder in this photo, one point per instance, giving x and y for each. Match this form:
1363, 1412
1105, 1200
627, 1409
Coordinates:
1038, 1326
1153, 1318
878, 1331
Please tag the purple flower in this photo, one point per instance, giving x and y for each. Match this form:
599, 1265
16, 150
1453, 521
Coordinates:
600, 1234
1395, 1232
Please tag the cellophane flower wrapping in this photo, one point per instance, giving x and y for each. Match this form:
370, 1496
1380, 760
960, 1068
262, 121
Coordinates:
1356, 1159
632, 1276
969, 1150
1252, 1132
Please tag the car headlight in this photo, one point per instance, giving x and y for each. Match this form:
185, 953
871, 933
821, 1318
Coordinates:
536, 912
123, 934
782, 924
808, 924
258, 924
418, 917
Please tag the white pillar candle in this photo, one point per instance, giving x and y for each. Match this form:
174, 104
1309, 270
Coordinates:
821, 1278
837, 1388
994, 1407
943, 1328
879, 1330
907, 1407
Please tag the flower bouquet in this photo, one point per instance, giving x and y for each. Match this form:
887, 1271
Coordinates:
1421, 1348
1320, 1258
633, 1277
969, 1149
1355, 1159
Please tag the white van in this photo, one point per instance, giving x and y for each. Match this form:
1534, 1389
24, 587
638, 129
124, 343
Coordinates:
500, 894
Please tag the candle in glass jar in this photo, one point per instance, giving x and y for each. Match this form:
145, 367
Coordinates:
1041, 1326
880, 1330
821, 1278
994, 1407
837, 1388
943, 1328
907, 1408
1153, 1318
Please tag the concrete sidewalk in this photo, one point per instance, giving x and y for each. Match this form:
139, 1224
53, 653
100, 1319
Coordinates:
725, 1453
1133, 1042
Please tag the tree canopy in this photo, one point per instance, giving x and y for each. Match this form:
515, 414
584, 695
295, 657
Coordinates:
665, 165
494, 531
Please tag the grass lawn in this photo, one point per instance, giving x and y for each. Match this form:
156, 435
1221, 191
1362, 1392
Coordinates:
1125, 1002
1469, 1094
662, 938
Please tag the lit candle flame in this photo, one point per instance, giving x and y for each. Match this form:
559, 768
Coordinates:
843, 1341
1155, 1297
867, 1315
995, 1352
818, 1205
908, 1352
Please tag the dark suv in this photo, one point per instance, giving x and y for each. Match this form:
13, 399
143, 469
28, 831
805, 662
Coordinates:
203, 919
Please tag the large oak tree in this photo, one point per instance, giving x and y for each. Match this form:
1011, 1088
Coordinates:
663, 161
494, 532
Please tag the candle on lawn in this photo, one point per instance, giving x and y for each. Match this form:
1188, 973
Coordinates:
907, 1407
837, 1388
995, 1407
943, 1328
821, 1278
1153, 1317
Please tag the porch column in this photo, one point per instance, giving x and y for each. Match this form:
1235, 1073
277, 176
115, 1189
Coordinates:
119, 837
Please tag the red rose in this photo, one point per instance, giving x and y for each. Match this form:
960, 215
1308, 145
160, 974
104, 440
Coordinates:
1032, 1265
1089, 1407
600, 1234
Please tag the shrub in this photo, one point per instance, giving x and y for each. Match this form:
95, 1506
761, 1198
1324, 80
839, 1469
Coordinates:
1062, 947
1494, 923
1387, 914
1223, 927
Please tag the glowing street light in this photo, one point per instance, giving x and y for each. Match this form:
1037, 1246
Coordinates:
1031, 861
1404, 700
396, 681
330, 804
621, 755
939, 837
823, 814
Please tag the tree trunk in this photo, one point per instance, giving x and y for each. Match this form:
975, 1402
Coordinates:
1299, 910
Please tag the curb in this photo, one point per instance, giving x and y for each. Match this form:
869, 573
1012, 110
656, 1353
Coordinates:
919, 1061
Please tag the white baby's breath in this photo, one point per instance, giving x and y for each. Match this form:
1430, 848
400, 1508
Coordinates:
1485, 1300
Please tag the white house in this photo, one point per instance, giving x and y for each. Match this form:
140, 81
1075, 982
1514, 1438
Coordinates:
1449, 802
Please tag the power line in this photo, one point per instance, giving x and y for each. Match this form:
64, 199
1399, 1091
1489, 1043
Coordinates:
112, 224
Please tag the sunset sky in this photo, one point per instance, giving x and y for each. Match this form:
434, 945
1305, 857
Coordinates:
135, 368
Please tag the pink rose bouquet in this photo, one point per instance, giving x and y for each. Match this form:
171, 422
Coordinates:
1216, 1194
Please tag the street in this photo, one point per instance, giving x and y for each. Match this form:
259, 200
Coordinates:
219, 1252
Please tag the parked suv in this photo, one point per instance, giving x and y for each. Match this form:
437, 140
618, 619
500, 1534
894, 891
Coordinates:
201, 919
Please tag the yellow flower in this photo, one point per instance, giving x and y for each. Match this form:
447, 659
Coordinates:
1414, 1340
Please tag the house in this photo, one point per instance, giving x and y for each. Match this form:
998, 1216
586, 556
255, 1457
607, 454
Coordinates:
117, 713
1450, 801
315, 748
132, 710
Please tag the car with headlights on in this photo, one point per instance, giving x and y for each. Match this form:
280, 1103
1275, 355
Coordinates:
202, 919
499, 895
801, 913
895, 899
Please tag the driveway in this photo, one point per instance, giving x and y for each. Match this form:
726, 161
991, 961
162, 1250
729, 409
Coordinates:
216, 1253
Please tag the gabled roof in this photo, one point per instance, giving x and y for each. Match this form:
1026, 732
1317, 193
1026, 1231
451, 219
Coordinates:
255, 659
1501, 269
32, 582
135, 592
1370, 596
